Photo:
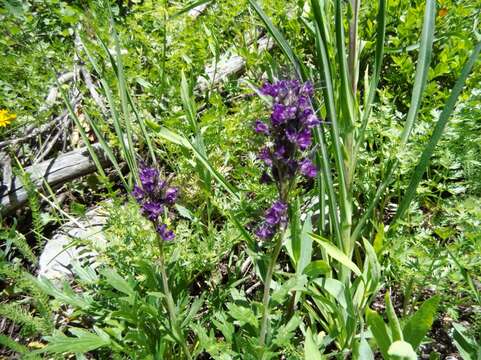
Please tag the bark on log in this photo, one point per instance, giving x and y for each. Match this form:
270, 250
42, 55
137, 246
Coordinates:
54, 171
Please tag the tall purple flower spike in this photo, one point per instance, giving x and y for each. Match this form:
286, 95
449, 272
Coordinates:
288, 138
155, 199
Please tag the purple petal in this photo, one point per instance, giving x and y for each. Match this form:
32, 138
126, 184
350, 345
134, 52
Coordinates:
265, 156
171, 195
261, 127
165, 234
304, 139
152, 210
307, 168
265, 231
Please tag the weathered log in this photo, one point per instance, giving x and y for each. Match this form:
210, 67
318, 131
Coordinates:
54, 171
230, 65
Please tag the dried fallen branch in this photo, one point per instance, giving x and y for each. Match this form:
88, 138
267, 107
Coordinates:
55, 171
230, 65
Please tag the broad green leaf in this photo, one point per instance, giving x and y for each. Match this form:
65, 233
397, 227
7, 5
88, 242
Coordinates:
118, 282
394, 324
316, 268
306, 245
295, 242
402, 350
311, 351
420, 323
467, 347
242, 315
296, 283
337, 254
379, 331
362, 350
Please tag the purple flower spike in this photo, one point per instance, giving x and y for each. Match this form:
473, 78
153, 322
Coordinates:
165, 234
171, 195
261, 127
308, 169
152, 210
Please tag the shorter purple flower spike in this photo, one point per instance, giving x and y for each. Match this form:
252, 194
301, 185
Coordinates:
265, 231
152, 210
261, 127
308, 169
171, 195
165, 234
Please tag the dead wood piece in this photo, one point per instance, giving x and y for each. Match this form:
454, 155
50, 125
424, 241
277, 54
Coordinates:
230, 65
65, 167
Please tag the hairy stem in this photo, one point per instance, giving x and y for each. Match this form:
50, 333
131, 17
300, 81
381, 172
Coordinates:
267, 287
170, 303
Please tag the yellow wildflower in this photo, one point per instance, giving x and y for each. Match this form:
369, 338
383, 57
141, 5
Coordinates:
6, 117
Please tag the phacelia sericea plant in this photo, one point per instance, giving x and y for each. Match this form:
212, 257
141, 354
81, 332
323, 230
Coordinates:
288, 138
156, 199
286, 157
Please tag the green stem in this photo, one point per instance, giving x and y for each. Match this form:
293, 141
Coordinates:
267, 287
170, 302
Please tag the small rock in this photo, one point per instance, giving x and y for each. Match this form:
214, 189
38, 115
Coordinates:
60, 251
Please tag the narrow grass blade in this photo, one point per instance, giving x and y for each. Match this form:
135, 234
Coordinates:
346, 95
83, 135
130, 154
437, 133
107, 149
280, 40
324, 66
422, 68
378, 57
188, 7
180, 140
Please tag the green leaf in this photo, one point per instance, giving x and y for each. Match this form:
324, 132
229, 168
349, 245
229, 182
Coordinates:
311, 351
242, 314
295, 240
296, 283
467, 347
337, 254
393, 320
362, 350
402, 350
379, 331
317, 268
118, 282
82, 342
419, 324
